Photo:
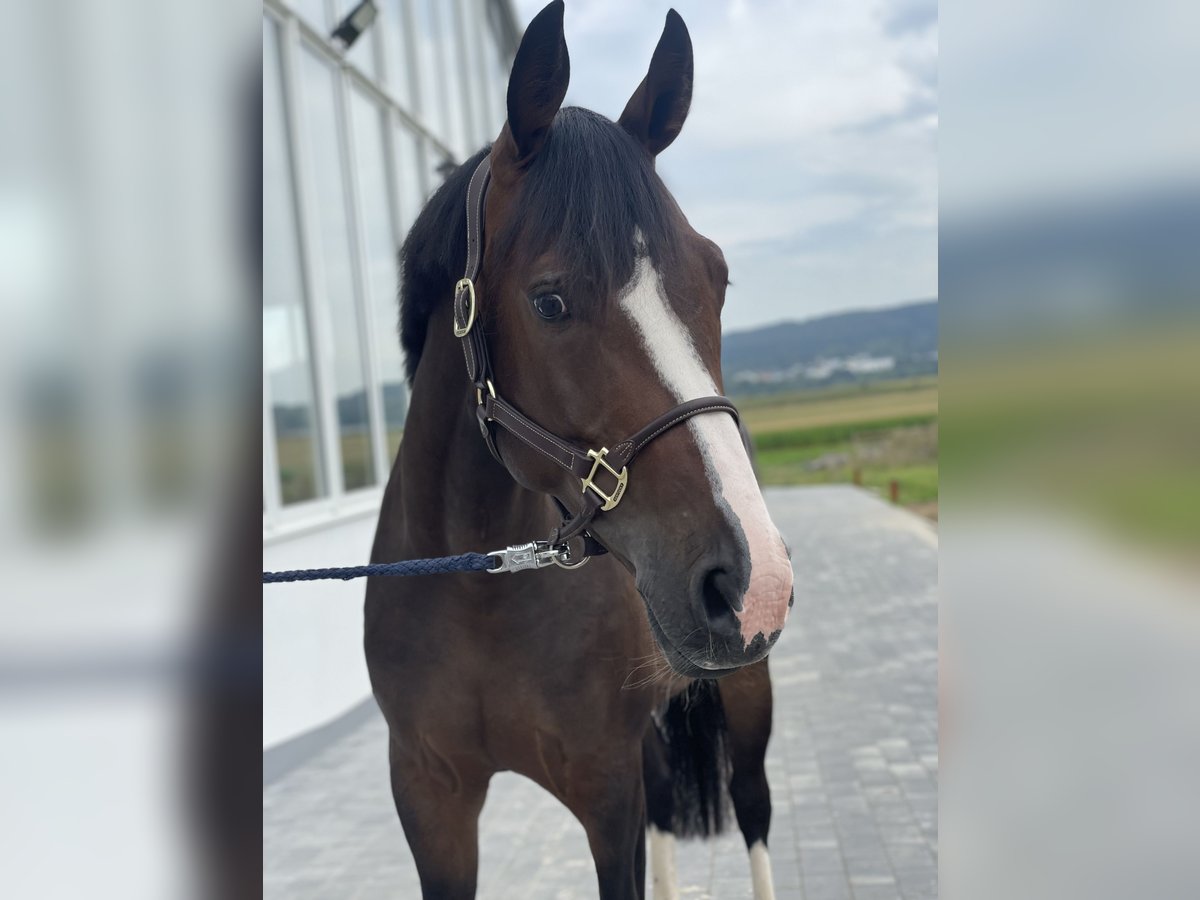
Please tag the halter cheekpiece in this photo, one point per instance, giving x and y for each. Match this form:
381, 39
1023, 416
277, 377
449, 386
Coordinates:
603, 473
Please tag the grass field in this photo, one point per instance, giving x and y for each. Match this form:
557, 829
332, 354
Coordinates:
881, 433
841, 405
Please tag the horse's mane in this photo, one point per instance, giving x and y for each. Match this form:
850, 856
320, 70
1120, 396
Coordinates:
589, 190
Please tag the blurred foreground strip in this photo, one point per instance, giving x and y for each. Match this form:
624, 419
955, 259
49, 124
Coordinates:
1070, 441
1070, 457
130, 230
1070, 720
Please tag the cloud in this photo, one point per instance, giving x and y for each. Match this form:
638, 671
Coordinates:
907, 16
797, 71
811, 149
751, 221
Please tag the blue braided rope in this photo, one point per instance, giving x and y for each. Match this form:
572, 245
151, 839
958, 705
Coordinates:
443, 565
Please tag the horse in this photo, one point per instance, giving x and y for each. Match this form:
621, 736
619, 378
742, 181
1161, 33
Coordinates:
635, 690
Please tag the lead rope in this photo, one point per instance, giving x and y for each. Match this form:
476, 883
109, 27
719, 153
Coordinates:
516, 558
443, 565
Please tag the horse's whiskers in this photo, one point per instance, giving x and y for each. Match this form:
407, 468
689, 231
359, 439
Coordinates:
659, 671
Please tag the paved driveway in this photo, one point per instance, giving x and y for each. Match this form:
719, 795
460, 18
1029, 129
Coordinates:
852, 763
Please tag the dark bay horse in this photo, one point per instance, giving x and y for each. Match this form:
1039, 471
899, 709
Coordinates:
634, 690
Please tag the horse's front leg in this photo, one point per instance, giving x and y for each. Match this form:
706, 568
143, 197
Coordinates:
610, 802
747, 699
439, 808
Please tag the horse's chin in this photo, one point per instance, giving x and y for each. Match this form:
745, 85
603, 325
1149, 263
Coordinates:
691, 665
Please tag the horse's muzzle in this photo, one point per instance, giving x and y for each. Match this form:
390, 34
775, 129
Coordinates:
702, 630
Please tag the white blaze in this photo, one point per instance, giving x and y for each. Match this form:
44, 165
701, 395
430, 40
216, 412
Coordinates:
662, 865
674, 356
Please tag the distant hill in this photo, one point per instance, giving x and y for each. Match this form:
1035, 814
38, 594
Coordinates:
872, 343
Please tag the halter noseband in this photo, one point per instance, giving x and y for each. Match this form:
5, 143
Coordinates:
587, 465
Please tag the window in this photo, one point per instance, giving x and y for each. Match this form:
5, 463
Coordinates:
442, 98
287, 369
394, 25
353, 144
313, 11
457, 45
412, 169
496, 69
380, 243
337, 285
482, 130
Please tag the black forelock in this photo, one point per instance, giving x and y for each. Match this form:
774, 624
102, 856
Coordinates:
585, 195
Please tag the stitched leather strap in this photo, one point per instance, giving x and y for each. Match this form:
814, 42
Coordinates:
595, 469
466, 311
476, 191
625, 452
581, 463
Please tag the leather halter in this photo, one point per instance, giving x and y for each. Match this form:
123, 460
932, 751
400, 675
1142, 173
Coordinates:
585, 464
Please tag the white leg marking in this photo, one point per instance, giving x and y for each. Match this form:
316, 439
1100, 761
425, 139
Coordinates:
670, 347
662, 865
760, 872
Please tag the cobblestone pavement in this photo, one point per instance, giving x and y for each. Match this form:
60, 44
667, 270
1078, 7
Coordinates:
852, 761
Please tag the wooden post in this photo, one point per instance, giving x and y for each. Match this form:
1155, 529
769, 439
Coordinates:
894, 490
857, 476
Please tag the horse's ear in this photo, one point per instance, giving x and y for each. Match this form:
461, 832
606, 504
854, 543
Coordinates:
656, 111
537, 85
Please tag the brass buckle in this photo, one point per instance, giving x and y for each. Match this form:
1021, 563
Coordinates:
469, 286
590, 482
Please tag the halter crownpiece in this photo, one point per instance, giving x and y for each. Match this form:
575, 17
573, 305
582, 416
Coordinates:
603, 474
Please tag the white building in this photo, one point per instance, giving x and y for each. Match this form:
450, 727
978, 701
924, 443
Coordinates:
352, 146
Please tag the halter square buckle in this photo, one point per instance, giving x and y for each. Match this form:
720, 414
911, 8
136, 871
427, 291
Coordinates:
590, 482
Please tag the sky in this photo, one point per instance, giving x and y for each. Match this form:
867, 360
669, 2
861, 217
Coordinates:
810, 152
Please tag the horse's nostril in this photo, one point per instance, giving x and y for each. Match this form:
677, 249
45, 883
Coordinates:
721, 597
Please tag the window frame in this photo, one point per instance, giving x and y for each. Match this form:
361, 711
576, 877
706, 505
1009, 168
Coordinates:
296, 35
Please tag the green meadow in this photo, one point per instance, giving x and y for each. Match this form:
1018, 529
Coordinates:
871, 434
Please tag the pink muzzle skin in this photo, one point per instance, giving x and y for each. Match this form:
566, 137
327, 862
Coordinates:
765, 604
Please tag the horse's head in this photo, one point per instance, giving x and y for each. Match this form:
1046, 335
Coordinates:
602, 310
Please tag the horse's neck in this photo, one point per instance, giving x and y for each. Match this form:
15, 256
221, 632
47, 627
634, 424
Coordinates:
451, 486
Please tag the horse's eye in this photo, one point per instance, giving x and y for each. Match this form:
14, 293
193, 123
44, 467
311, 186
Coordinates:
550, 307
